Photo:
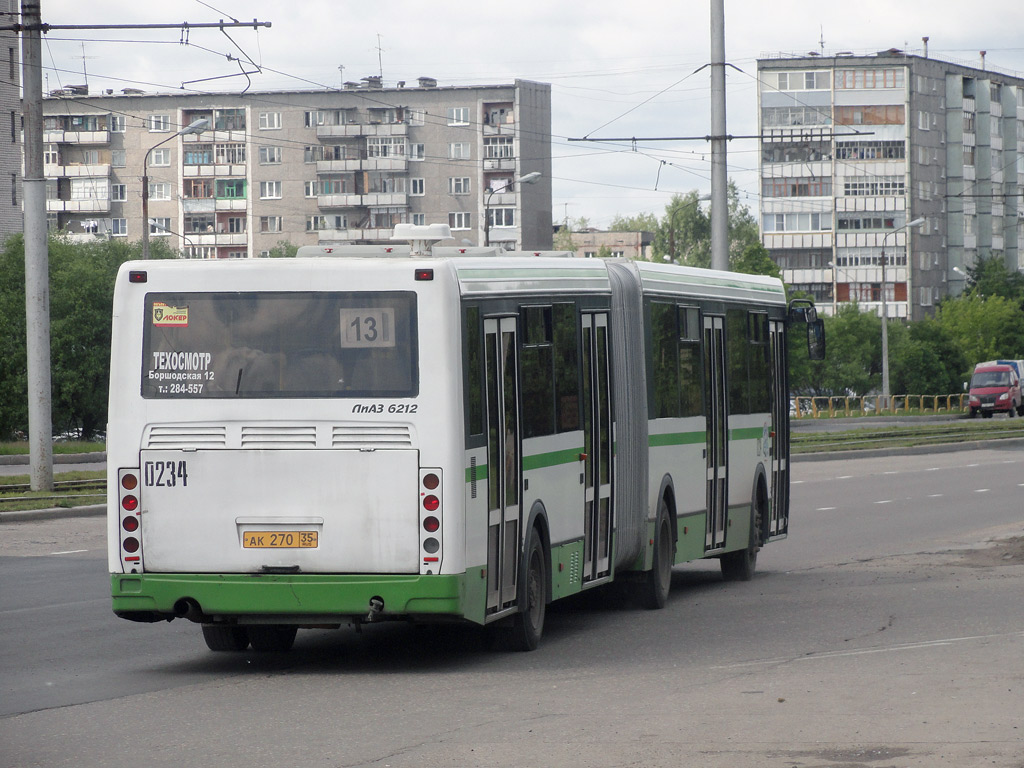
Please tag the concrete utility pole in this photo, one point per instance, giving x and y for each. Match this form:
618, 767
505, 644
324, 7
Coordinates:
37, 257
719, 168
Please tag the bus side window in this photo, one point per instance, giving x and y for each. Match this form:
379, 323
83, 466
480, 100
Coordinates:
474, 383
567, 368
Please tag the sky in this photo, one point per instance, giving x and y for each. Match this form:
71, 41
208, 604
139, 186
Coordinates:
616, 69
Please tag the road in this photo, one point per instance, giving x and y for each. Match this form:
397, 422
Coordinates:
887, 631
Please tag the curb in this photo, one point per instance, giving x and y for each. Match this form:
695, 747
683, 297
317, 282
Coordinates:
53, 513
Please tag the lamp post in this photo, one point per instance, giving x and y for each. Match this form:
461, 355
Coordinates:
196, 126
528, 178
885, 318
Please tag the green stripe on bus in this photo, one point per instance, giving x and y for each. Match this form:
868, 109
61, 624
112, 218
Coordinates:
747, 433
676, 438
552, 459
481, 473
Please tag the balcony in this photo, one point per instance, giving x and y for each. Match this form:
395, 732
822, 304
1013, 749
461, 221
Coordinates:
209, 171
77, 206
385, 198
349, 235
361, 129
339, 201
499, 164
338, 166
385, 164
198, 205
231, 204
76, 137
76, 171
219, 238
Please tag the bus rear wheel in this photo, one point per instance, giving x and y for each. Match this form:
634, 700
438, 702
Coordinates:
225, 637
272, 638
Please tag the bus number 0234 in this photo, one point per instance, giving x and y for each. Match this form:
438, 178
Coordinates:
165, 474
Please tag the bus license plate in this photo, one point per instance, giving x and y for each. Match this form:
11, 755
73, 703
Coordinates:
279, 539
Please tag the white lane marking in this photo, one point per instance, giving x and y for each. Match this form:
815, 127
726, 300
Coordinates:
69, 552
862, 652
824, 509
844, 477
884, 501
934, 495
982, 490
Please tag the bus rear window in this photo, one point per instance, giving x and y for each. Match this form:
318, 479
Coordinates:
276, 344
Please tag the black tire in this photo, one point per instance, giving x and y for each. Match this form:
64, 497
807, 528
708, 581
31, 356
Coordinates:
272, 638
225, 637
986, 414
527, 626
973, 414
741, 564
657, 582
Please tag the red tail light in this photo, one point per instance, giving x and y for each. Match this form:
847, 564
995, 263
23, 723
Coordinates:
431, 494
129, 508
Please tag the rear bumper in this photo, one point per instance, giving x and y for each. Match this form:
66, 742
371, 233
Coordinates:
286, 597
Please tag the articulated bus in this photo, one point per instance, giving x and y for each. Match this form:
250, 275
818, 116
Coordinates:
434, 436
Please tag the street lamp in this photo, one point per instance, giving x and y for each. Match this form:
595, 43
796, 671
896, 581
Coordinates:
528, 178
196, 126
885, 318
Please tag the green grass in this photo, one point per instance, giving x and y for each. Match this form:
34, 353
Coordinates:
20, 448
904, 436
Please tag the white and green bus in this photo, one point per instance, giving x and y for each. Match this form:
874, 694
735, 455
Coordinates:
413, 436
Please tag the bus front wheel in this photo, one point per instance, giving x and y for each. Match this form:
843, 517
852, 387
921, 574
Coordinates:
657, 582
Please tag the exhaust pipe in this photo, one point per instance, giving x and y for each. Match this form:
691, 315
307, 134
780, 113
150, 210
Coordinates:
188, 608
376, 608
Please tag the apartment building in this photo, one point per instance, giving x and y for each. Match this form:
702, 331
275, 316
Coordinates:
10, 143
628, 245
892, 156
302, 167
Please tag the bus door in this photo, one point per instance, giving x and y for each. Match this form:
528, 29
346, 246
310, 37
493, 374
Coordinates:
717, 443
778, 523
503, 462
597, 450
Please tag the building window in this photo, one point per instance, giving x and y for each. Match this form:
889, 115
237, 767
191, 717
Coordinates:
458, 115
231, 189
229, 154
416, 187
270, 121
159, 190
159, 123
270, 190
309, 188
498, 147
270, 155
159, 156
118, 123
199, 222
316, 223
416, 152
198, 188
270, 223
90, 189
197, 154
118, 193
459, 220
51, 154
229, 120
880, 114
419, 219
502, 217
458, 150
236, 225
458, 185
159, 226
415, 116
869, 78
314, 118
385, 146
119, 227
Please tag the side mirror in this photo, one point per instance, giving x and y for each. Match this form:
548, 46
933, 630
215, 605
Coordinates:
816, 339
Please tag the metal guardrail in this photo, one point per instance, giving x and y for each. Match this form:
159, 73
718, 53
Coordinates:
836, 407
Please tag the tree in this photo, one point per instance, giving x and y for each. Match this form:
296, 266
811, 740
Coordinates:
990, 277
983, 328
283, 250
81, 297
852, 365
684, 235
925, 360
755, 260
563, 240
641, 222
